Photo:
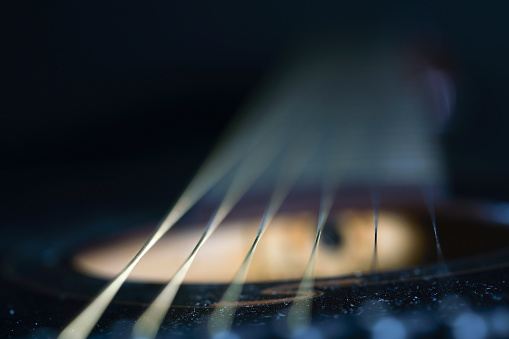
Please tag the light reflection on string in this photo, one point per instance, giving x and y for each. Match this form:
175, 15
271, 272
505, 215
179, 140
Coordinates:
299, 316
315, 93
230, 152
149, 322
222, 318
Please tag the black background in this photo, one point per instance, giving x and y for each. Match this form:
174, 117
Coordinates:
111, 106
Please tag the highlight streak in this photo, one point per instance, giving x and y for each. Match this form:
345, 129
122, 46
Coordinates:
375, 200
81, 326
221, 319
149, 322
428, 197
299, 316
214, 168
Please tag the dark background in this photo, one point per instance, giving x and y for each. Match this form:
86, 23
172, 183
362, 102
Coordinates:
112, 106
108, 108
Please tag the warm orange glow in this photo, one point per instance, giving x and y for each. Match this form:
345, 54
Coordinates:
282, 252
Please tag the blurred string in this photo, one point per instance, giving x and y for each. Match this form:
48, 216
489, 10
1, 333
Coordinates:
223, 159
429, 200
294, 162
299, 316
375, 202
323, 98
250, 169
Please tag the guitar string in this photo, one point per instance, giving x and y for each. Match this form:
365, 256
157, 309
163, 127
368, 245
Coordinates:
430, 205
299, 316
252, 167
221, 318
375, 202
214, 168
